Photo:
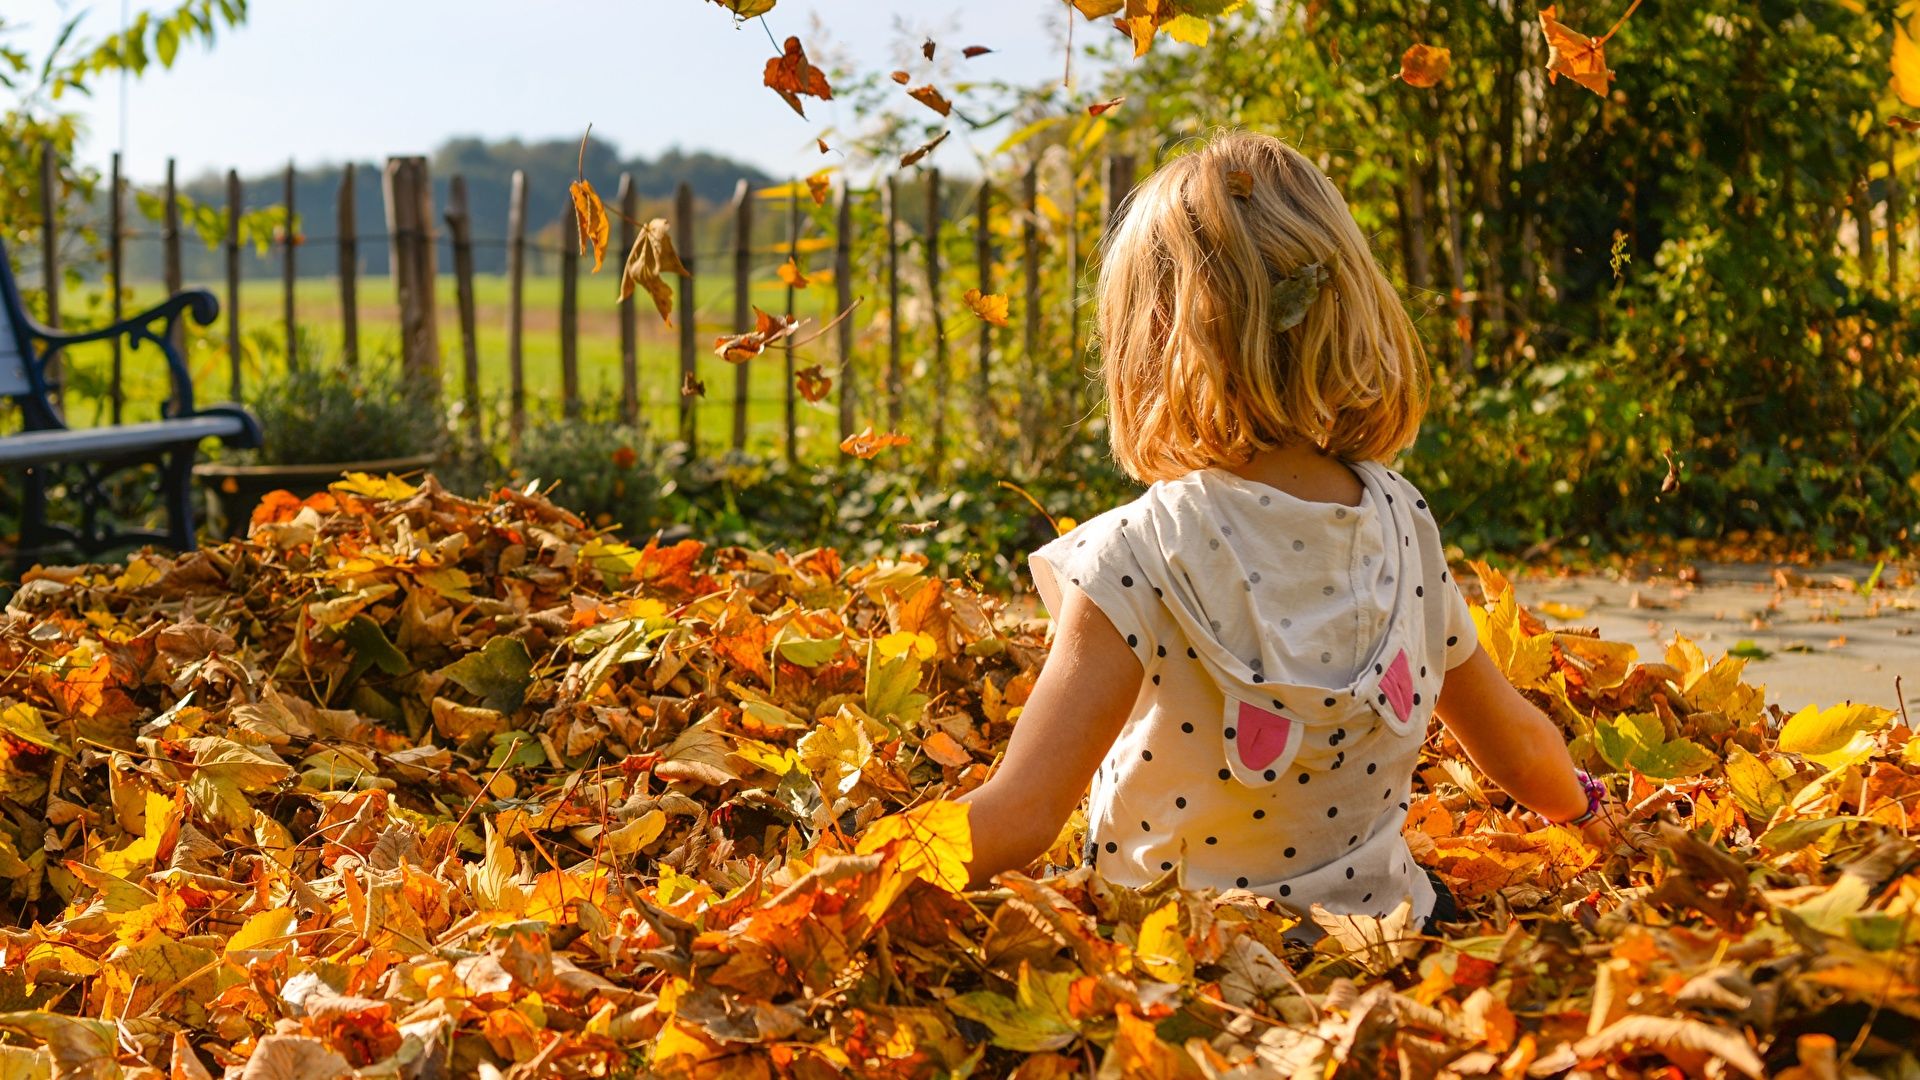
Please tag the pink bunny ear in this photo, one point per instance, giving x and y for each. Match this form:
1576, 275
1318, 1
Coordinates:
1260, 735
1397, 684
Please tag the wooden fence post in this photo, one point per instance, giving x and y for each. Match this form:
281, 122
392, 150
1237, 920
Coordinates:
516, 295
793, 256
409, 198
289, 244
843, 298
1030, 313
170, 239
893, 303
460, 225
569, 313
942, 378
349, 271
683, 242
983, 262
116, 266
629, 328
1119, 185
742, 301
1896, 220
234, 354
50, 231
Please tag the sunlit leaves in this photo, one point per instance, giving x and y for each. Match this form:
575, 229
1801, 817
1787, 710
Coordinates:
1100, 108
1575, 55
912, 157
1906, 65
932, 98
747, 9
590, 216
933, 842
813, 383
865, 443
767, 329
1834, 736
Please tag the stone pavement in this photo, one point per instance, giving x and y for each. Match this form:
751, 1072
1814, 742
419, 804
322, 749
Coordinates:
1824, 641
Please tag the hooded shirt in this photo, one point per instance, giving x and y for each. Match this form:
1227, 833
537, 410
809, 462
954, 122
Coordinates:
1292, 652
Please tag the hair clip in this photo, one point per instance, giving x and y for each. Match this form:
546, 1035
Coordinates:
1294, 294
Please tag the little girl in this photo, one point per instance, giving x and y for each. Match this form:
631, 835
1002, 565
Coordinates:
1246, 657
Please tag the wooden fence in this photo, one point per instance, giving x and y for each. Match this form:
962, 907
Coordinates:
415, 230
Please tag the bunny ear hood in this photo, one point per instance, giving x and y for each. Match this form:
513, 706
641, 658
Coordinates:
1260, 584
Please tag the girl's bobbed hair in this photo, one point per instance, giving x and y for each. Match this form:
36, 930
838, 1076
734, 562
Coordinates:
1207, 353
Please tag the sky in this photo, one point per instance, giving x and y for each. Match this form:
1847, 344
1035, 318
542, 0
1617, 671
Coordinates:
328, 80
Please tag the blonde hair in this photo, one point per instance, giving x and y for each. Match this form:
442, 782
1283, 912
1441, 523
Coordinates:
1196, 372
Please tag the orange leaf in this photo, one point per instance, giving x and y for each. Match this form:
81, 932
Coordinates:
1574, 54
653, 257
1104, 106
914, 157
822, 143
990, 306
767, 329
692, 387
819, 187
790, 75
946, 750
791, 273
932, 98
926, 49
865, 444
812, 383
1425, 65
590, 214
901, 77
972, 51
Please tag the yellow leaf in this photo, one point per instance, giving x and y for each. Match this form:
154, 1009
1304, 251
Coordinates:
373, 487
1835, 736
792, 275
636, 834
1425, 65
932, 841
836, 751
989, 306
262, 931
591, 215
1906, 67
898, 644
1162, 949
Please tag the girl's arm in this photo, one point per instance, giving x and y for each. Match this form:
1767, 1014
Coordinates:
1510, 741
1083, 698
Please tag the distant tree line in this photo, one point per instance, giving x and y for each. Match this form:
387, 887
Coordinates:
488, 167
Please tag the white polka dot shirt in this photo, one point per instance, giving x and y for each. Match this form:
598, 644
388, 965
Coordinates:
1292, 652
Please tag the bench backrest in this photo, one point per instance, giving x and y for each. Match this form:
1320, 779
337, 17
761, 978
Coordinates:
13, 350
13, 362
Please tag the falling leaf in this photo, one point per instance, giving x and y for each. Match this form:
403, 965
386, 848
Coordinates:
819, 186
747, 9
591, 217
1906, 67
822, 143
1671, 482
1425, 65
1108, 105
813, 383
972, 51
901, 77
1904, 123
791, 273
931, 97
913, 157
651, 258
1098, 9
1574, 55
767, 329
926, 49
991, 306
691, 387
1239, 183
791, 75
865, 444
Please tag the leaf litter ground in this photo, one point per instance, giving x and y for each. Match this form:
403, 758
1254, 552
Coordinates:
413, 785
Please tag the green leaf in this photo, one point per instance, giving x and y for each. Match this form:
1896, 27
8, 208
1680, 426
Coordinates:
1036, 1020
891, 682
1794, 835
810, 652
1748, 650
22, 721
498, 674
166, 42
1638, 741
1755, 788
372, 649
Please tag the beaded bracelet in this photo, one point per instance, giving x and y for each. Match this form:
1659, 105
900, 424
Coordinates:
1596, 794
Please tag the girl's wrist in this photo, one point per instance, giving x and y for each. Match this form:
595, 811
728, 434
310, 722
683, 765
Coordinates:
1596, 794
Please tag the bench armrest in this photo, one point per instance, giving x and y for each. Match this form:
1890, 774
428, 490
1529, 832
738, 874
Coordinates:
199, 304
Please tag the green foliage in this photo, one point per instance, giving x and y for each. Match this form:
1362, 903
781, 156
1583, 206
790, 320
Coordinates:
320, 413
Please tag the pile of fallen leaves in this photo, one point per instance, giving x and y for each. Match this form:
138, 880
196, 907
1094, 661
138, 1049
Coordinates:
411, 785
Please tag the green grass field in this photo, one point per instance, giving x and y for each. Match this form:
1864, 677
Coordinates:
317, 312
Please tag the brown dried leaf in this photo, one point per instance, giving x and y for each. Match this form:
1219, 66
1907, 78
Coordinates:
913, 157
931, 97
590, 215
1425, 65
650, 260
790, 75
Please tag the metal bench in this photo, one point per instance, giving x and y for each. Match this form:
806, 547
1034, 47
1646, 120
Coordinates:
80, 461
